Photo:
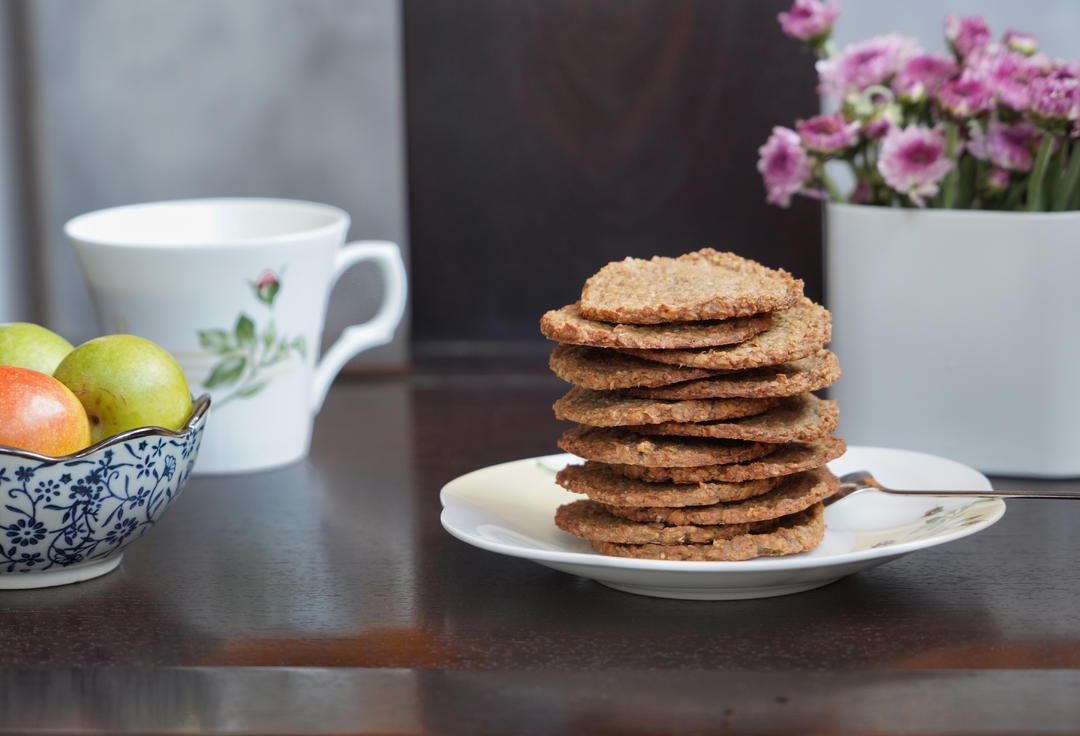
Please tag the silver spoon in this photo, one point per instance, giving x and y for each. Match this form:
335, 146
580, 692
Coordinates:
862, 480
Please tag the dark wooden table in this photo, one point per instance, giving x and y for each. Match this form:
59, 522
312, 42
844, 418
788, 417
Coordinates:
326, 598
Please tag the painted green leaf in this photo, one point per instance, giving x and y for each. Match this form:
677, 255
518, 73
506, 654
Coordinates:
226, 372
300, 346
253, 389
245, 331
279, 354
269, 336
216, 341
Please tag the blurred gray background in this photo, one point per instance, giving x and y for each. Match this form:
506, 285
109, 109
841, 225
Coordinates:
110, 102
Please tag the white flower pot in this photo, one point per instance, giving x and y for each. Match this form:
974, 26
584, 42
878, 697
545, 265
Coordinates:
958, 334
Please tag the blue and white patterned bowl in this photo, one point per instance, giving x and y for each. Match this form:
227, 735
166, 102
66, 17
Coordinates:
66, 519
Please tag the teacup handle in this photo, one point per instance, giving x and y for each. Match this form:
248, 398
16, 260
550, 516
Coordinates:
378, 330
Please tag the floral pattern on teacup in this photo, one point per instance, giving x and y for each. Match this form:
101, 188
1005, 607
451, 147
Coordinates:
246, 351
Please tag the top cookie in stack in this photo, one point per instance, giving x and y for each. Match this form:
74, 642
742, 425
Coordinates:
692, 396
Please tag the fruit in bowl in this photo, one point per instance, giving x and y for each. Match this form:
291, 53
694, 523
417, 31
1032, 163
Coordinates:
128, 442
39, 413
123, 382
27, 345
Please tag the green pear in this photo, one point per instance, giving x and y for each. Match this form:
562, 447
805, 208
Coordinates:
26, 345
124, 382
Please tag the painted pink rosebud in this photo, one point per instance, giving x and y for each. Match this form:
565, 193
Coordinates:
864, 64
267, 287
922, 76
809, 20
966, 33
828, 134
1006, 146
965, 97
913, 161
1023, 43
784, 165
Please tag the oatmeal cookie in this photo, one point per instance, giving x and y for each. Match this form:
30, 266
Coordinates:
615, 445
793, 493
813, 373
600, 483
802, 418
786, 460
706, 284
611, 409
568, 325
798, 532
795, 333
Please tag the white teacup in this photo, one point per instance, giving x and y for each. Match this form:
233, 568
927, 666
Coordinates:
236, 290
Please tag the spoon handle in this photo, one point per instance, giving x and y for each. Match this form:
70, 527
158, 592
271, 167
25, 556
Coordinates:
994, 493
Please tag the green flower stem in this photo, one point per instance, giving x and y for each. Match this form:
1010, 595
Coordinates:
966, 193
1068, 188
981, 170
1038, 172
948, 190
1012, 199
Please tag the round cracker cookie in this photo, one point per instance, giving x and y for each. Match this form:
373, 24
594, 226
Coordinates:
601, 483
601, 368
706, 284
813, 373
611, 409
590, 520
793, 493
569, 325
802, 418
795, 333
615, 445
788, 459
798, 533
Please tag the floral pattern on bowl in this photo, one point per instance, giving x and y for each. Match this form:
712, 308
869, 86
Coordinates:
83, 509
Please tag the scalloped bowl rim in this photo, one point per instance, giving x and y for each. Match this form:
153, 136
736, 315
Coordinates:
201, 406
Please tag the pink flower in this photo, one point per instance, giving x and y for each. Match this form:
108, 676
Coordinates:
809, 20
862, 192
1023, 43
965, 97
922, 76
966, 33
1006, 146
1065, 67
784, 166
1056, 98
997, 180
865, 63
913, 161
828, 134
1009, 74
879, 127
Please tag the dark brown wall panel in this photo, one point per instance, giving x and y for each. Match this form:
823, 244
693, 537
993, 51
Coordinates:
548, 137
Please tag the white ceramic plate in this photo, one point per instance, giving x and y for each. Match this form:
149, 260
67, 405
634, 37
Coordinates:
510, 509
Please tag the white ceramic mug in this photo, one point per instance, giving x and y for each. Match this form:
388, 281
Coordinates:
236, 290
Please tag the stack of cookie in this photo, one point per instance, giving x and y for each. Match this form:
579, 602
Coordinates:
692, 397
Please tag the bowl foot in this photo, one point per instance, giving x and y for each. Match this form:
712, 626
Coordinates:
59, 576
